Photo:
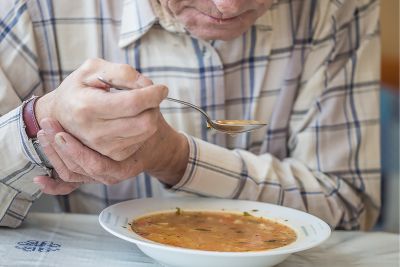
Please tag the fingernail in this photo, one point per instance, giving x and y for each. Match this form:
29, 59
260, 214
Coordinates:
60, 140
165, 91
42, 139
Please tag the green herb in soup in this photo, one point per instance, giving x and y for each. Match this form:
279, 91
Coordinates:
214, 231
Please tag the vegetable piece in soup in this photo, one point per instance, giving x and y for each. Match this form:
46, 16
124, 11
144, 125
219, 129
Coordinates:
214, 231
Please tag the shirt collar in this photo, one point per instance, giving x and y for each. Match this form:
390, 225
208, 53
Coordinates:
138, 16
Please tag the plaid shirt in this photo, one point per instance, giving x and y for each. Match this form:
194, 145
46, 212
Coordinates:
309, 68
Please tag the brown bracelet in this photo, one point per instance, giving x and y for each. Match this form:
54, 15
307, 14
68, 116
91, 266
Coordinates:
31, 125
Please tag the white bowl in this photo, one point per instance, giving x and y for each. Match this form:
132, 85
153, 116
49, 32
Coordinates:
310, 231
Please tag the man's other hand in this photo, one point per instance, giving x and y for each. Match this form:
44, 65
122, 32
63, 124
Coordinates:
164, 155
113, 124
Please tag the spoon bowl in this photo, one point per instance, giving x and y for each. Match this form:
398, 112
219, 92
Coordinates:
226, 126
236, 126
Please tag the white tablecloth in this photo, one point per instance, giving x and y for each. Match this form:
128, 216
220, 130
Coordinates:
47, 239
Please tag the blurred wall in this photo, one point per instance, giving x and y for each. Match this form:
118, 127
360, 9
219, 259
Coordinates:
389, 220
390, 43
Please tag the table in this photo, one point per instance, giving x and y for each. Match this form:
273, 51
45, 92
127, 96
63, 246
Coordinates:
49, 239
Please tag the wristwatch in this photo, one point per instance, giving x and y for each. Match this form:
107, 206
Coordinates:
32, 128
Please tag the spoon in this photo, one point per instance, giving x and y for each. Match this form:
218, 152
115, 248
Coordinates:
226, 126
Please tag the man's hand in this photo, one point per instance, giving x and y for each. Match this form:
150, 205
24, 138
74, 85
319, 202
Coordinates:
164, 155
114, 124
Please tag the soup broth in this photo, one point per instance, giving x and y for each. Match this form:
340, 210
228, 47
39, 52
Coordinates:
213, 231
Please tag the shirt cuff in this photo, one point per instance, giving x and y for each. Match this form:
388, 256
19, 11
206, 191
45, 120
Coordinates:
212, 171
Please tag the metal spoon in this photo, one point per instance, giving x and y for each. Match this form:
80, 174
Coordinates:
226, 126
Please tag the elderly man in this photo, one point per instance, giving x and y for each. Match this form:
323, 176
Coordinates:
308, 68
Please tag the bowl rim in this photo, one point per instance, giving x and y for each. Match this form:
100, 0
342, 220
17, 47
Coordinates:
133, 237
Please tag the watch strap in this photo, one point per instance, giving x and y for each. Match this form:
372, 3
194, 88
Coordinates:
28, 113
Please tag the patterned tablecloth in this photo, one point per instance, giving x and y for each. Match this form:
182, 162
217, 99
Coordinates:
48, 239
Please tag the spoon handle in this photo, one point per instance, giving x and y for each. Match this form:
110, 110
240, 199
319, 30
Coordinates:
168, 98
192, 106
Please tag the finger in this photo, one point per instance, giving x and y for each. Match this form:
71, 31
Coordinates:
129, 103
123, 75
50, 153
96, 164
65, 166
118, 84
53, 186
58, 164
79, 173
46, 139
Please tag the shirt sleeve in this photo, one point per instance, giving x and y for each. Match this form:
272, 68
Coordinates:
333, 167
19, 161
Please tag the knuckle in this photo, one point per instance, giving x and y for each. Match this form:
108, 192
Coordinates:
90, 63
144, 81
82, 110
126, 70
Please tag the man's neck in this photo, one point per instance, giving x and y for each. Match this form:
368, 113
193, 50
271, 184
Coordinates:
166, 19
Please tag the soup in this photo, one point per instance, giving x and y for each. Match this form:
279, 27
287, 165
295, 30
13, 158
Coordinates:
213, 231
